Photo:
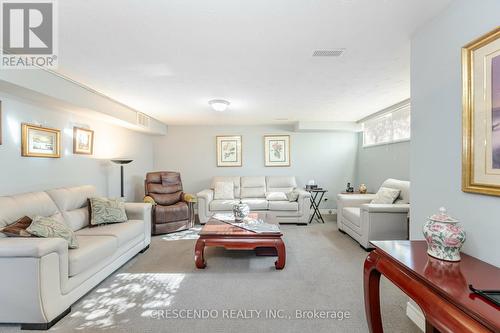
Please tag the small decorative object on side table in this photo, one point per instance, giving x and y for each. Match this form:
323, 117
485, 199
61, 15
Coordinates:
444, 236
349, 189
362, 189
316, 198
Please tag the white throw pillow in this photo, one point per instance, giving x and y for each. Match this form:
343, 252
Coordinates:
224, 191
276, 196
386, 195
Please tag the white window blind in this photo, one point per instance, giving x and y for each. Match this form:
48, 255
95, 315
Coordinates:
393, 126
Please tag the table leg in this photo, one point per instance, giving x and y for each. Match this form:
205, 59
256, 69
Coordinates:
199, 258
280, 248
318, 204
372, 293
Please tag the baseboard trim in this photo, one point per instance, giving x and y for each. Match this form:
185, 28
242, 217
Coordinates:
415, 315
327, 211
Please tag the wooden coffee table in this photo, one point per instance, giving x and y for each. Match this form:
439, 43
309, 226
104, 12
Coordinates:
221, 234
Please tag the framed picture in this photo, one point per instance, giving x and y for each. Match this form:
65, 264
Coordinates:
38, 141
83, 141
277, 150
228, 151
481, 115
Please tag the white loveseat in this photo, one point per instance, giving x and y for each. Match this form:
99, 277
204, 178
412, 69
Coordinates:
40, 277
252, 191
365, 221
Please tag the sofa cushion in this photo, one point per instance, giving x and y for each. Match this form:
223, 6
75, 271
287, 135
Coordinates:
224, 191
403, 186
92, 250
172, 213
123, 232
280, 183
12, 208
234, 180
276, 196
222, 205
284, 205
386, 195
253, 187
72, 202
106, 210
18, 229
256, 203
353, 214
49, 227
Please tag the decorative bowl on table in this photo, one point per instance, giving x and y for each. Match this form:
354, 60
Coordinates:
444, 236
240, 211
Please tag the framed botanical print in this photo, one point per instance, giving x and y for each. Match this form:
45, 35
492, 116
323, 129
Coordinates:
228, 151
277, 150
481, 115
83, 141
39, 141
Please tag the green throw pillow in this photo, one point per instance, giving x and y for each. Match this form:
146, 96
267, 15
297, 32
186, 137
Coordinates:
104, 210
49, 227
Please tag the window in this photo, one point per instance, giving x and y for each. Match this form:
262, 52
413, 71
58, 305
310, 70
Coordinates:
393, 126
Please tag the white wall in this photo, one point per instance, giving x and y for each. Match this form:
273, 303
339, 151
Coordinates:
328, 158
377, 163
23, 174
436, 92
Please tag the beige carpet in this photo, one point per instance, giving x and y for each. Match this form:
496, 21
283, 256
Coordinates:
323, 272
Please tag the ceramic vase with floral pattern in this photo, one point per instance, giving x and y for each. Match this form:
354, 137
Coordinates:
444, 236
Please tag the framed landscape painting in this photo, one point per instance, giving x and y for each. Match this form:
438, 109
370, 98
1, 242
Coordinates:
277, 150
39, 141
229, 151
481, 115
83, 141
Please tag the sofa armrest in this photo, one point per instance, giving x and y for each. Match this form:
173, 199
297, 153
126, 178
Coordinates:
138, 210
32, 247
354, 200
386, 208
208, 195
303, 193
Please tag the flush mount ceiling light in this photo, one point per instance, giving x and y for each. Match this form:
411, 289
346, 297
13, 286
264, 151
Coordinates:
219, 104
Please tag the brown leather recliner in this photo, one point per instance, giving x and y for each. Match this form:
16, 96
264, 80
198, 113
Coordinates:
172, 209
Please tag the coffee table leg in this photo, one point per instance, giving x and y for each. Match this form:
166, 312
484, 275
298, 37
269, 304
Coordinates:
280, 248
199, 254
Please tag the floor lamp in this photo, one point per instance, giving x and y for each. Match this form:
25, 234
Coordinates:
121, 163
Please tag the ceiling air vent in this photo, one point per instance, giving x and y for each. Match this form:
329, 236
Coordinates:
142, 120
328, 53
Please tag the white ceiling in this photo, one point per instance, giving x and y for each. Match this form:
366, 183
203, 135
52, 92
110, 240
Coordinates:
169, 58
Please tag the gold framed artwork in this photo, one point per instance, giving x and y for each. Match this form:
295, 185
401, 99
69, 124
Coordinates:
83, 141
228, 151
37, 141
277, 150
481, 115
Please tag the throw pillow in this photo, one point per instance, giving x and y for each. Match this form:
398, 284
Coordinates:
18, 228
105, 210
49, 227
292, 196
224, 191
386, 195
276, 196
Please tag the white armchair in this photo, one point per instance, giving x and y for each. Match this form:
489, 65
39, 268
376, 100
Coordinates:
365, 221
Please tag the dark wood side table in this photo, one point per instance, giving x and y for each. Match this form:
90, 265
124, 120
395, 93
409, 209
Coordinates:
439, 287
316, 197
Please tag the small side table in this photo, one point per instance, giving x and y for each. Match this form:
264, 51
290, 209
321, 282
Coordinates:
316, 197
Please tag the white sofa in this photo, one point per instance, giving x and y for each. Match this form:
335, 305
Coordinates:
40, 277
252, 191
365, 221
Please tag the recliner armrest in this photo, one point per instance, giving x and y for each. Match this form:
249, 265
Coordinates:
208, 195
32, 247
386, 208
